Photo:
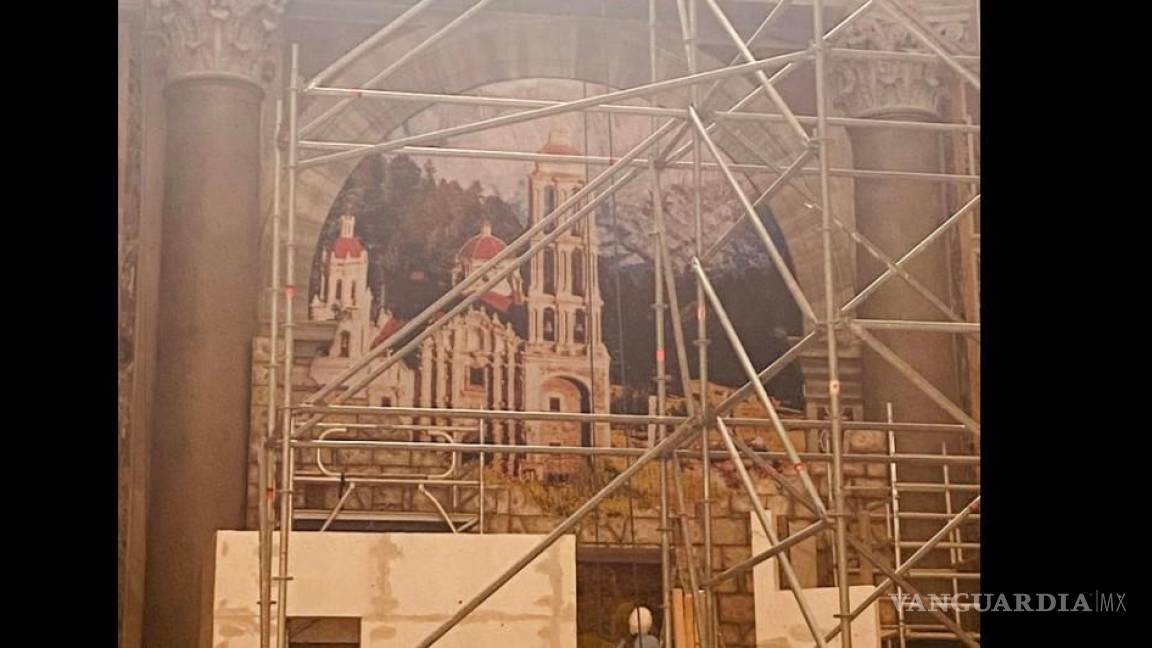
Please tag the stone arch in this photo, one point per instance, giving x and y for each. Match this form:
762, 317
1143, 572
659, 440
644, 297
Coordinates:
502, 48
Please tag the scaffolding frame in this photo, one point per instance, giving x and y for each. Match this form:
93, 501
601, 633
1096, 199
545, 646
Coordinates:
659, 151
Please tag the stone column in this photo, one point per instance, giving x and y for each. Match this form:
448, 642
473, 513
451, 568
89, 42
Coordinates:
897, 214
217, 52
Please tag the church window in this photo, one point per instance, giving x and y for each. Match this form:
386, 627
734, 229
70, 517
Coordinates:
549, 272
385, 401
554, 404
339, 288
345, 343
578, 273
352, 293
549, 325
476, 376
549, 205
580, 327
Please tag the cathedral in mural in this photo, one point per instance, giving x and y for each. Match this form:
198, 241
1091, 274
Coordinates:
533, 341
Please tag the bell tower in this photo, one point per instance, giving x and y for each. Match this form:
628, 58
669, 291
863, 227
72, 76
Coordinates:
565, 342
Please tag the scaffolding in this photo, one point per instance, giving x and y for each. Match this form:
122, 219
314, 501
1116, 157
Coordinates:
680, 138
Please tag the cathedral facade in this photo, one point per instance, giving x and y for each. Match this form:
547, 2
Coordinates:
531, 342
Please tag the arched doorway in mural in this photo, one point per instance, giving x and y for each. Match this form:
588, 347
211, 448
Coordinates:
562, 394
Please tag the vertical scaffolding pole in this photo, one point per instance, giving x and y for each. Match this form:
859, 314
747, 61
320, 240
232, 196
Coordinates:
661, 370
661, 404
754, 380
287, 460
264, 454
955, 553
895, 494
687, 14
685, 384
830, 316
483, 437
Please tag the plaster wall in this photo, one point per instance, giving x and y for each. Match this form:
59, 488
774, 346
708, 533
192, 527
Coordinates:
402, 586
779, 623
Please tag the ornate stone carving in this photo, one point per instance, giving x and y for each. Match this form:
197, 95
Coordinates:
219, 37
870, 87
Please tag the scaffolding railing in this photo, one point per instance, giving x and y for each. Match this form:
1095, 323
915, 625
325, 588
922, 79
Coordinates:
679, 138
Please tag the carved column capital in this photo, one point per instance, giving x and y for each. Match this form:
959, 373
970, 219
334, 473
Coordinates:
236, 39
869, 87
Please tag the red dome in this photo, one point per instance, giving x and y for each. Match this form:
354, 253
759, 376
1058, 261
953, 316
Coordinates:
347, 246
483, 246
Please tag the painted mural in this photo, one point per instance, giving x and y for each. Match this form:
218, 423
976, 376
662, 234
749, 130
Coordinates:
569, 330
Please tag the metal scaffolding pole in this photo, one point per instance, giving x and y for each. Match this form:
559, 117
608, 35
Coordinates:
710, 627
746, 54
922, 383
619, 419
871, 248
266, 464
664, 259
784, 545
903, 568
431, 40
864, 551
566, 107
760, 457
287, 460
694, 578
778, 184
338, 66
875, 252
908, 256
889, 55
661, 377
497, 101
765, 400
914, 325
787, 69
894, 494
773, 252
639, 162
834, 413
